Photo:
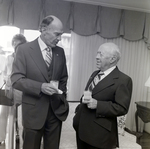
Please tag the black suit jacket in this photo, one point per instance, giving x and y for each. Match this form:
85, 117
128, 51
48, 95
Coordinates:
98, 127
29, 72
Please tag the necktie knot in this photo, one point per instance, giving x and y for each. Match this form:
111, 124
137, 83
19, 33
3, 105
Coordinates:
100, 74
48, 49
95, 81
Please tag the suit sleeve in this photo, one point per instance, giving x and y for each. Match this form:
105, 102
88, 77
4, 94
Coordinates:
18, 76
64, 76
121, 103
59, 103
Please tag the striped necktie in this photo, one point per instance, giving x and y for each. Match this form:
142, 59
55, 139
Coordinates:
48, 57
95, 81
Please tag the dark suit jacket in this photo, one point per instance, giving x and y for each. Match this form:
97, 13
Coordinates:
29, 72
99, 127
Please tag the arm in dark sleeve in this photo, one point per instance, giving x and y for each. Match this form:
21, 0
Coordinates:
19, 78
121, 104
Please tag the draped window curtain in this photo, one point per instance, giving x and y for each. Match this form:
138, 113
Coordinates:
135, 62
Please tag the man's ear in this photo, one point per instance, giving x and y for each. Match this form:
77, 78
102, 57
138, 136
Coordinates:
43, 29
113, 59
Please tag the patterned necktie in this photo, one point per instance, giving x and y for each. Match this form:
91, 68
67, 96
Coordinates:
48, 57
95, 81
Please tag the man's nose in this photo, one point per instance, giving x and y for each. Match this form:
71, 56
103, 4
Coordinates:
97, 57
59, 37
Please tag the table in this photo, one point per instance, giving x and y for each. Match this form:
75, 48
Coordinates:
143, 111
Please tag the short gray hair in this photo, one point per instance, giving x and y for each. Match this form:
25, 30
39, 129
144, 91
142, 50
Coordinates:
18, 37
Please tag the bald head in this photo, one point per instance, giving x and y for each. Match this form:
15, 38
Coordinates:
51, 29
50, 20
107, 56
112, 49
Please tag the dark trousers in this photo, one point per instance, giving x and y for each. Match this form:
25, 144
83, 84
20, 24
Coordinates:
83, 145
50, 132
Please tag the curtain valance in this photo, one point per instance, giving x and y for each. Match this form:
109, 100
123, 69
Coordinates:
83, 19
27, 14
109, 22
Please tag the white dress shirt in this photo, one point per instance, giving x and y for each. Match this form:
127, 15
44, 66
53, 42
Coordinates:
43, 46
107, 72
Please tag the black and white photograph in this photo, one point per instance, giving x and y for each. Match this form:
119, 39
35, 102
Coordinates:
74, 74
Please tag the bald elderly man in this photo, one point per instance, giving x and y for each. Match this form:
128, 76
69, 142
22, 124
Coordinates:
106, 96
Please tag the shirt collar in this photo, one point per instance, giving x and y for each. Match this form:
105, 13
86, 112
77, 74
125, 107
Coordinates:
41, 44
108, 71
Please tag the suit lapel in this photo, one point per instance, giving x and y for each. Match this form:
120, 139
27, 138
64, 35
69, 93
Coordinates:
91, 78
106, 82
37, 57
57, 63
